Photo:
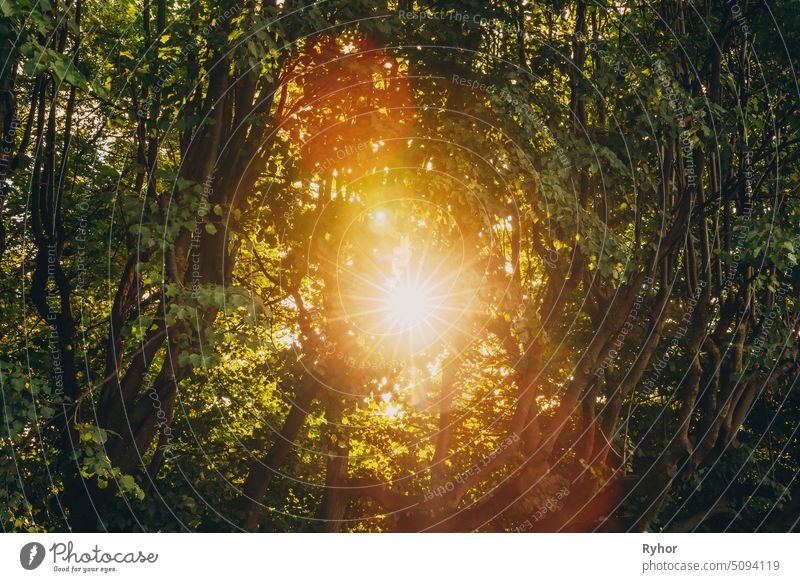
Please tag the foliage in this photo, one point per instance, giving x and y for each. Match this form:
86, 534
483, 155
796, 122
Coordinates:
374, 266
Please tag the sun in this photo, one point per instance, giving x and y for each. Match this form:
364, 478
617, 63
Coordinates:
403, 292
403, 311
409, 305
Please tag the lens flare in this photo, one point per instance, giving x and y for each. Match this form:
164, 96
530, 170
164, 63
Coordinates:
409, 305
407, 294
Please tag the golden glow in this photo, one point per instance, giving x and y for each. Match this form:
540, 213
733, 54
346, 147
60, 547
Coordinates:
379, 220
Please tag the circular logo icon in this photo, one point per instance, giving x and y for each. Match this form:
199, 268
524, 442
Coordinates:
31, 555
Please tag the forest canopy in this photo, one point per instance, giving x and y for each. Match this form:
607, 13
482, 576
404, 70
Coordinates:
356, 265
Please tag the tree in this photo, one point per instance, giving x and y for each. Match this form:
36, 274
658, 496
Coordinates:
379, 266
